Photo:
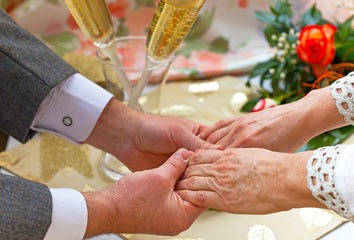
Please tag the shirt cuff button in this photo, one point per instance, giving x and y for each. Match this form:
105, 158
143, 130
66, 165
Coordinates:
67, 121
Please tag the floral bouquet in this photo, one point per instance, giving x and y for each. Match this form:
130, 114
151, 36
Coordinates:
309, 54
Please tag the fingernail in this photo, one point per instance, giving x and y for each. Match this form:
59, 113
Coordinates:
183, 154
215, 147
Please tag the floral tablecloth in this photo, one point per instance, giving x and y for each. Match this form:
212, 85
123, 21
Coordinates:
225, 39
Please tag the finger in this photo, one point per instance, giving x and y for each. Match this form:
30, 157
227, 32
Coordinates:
193, 142
201, 198
201, 129
204, 157
196, 183
221, 124
176, 164
216, 136
202, 170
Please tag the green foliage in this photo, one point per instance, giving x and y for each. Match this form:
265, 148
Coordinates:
191, 46
62, 43
201, 25
250, 105
219, 45
263, 68
286, 74
191, 72
144, 3
123, 30
5, 3
195, 42
329, 138
285, 71
311, 17
345, 52
344, 31
55, 2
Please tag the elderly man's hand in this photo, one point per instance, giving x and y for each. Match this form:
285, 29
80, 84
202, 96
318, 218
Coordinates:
143, 202
144, 141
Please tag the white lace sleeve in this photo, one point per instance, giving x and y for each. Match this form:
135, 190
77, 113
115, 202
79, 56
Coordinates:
343, 93
330, 177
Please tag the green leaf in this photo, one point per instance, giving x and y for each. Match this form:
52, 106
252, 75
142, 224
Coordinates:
311, 17
263, 67
191, 46
220, 45
277, 8
285, 19
201, 25
265, 17
123, 30
330, 138
343, 30
62, 43
55, 2
191, 72
283, 8
279, 99
319, 141
342, 133
268, 32
5, 3
250, 105
345, 53
144, 3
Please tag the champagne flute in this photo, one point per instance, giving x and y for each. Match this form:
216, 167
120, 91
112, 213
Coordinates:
94, 20
170, 25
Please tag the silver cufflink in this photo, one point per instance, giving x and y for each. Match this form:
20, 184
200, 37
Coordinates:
67, 121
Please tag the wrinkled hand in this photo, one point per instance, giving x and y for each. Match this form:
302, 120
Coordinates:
143, 141
284, 128
145, 202
274, 128
247, 181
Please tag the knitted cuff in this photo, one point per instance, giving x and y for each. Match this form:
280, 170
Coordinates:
321, 179
343, 93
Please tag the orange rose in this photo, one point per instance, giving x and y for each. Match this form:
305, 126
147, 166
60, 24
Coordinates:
316, 46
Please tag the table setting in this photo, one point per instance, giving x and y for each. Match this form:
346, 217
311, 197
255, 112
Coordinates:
84, 174
139, 70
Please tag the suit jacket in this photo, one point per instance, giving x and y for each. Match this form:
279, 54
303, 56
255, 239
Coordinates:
28, 71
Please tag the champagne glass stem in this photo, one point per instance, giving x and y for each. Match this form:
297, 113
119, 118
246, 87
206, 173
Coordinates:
134, 100
110, 51
163, 83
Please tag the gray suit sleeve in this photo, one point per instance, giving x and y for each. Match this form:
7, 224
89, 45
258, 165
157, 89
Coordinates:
28, 71
25, 209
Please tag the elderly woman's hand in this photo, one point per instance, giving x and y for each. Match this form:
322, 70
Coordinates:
284, 128
248, 181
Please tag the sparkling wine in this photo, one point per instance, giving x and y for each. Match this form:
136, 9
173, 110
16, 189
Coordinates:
170, 25
93, 18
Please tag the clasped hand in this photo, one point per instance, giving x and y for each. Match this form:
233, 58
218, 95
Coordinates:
246, 181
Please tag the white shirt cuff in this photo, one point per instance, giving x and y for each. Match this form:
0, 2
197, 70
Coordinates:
69, 217
344, 173
72, 109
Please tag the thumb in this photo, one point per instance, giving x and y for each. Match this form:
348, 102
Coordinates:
176, 164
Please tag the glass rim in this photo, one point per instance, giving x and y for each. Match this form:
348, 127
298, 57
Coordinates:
164, 62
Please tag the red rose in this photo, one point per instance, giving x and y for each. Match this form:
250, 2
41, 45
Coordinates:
316, 46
